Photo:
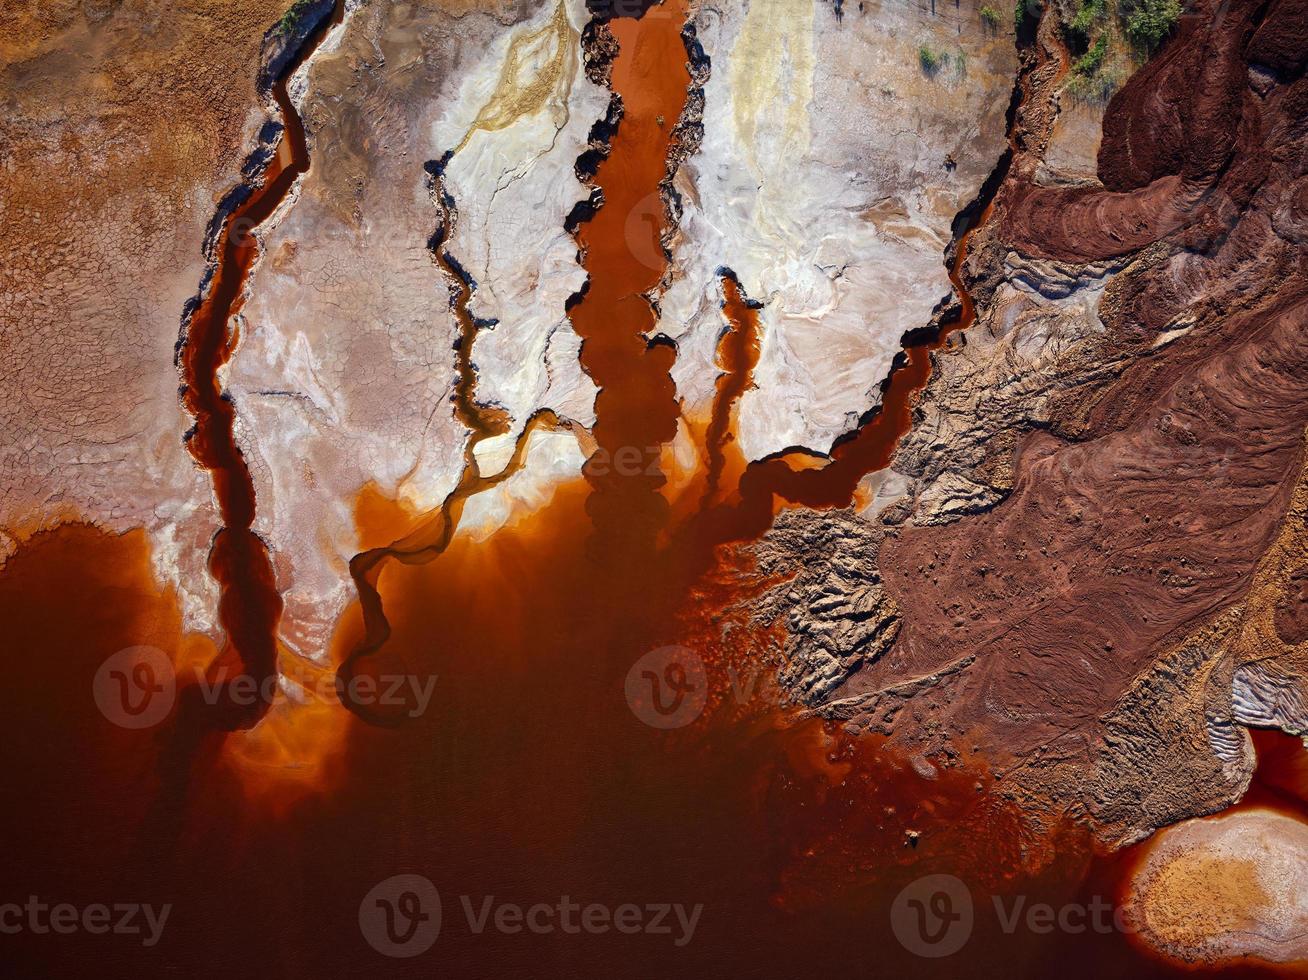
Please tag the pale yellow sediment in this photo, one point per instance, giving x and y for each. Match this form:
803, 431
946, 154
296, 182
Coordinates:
538, 68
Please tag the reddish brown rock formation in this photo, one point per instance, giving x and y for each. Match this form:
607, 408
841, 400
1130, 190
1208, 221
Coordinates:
1186, 142
1087, 627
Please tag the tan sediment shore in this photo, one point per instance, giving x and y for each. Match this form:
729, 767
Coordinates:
1219, 891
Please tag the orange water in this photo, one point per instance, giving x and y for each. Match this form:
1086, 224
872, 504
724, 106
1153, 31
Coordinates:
530, 776
250, 606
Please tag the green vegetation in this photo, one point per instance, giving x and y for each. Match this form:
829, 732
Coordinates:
1077, 30
1098, 88
946, 66
1087, 15
1088, 64
1022, 10
1149, 21
990, 17
292, 16
1090, 81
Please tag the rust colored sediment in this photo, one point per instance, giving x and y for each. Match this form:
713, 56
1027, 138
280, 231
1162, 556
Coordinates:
1162, 173
791, 476
484, 422
738, 353
636, 409
531, 772
431, 537
250, 606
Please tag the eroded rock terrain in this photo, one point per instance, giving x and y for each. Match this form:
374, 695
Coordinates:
951, 365
1089, 542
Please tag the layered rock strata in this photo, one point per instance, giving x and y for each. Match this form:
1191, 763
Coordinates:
1085, 535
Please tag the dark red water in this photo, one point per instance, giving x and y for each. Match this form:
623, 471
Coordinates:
636, 409
250, 606
531, 775
738, 353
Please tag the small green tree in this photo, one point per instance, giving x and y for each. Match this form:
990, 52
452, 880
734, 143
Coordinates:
1086, 15
1088, 64
1095, 89
1077, 30
990, 17
929, 60
1022, 10
292, 16
1149, 21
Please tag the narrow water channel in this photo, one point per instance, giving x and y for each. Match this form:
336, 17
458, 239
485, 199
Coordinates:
250, 607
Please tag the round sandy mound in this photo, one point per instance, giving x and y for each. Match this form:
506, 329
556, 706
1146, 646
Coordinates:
1225, 888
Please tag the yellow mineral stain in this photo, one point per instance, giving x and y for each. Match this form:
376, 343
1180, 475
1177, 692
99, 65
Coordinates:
538, 69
